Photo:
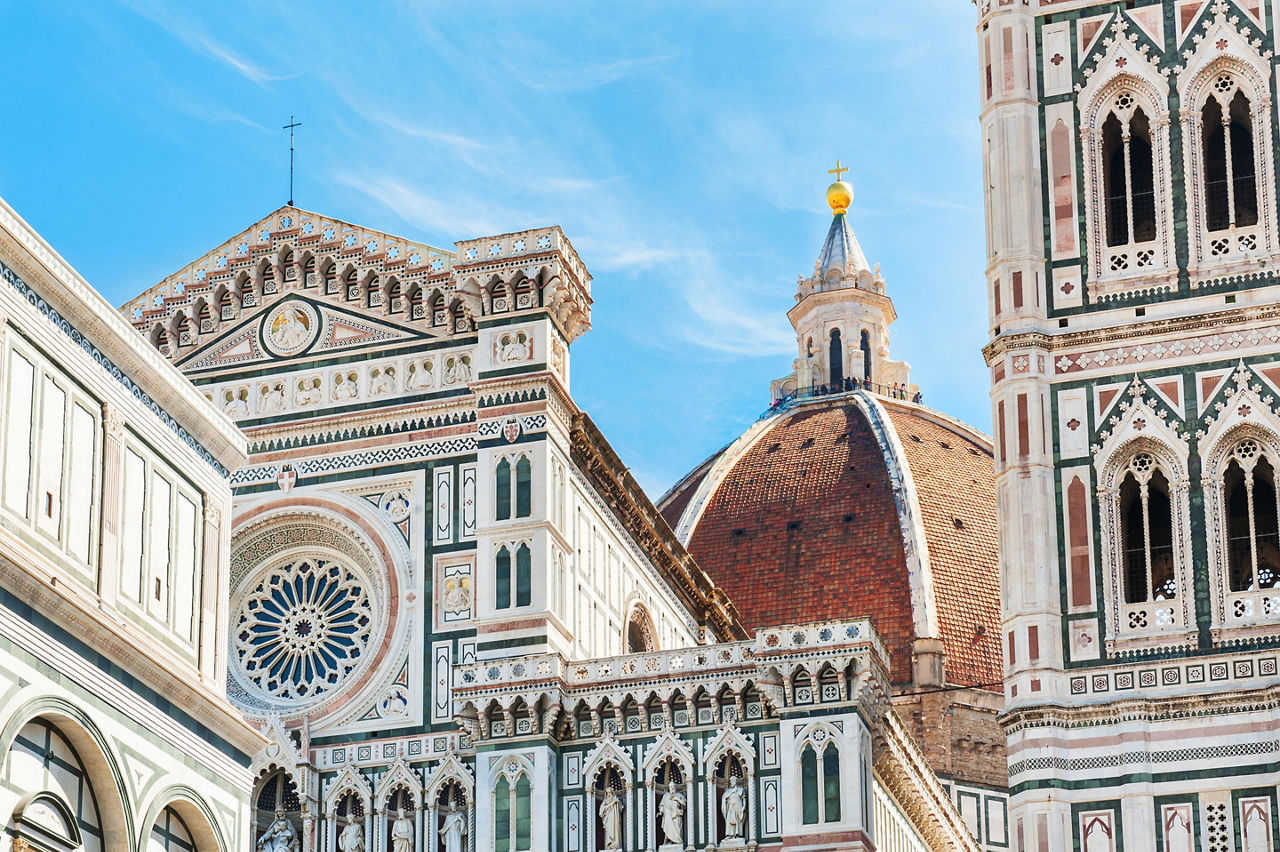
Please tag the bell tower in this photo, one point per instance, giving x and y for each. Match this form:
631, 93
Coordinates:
841, 318
1131, 211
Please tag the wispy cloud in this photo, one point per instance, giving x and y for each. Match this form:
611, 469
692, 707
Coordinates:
432, 214
585, 76
194, 36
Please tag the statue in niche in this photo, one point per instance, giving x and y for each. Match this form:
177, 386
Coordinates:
352, 837
671, 809
733, 806
308, 392
513, 347
383, 382
402, 833
455, 826
280, 837
611, 819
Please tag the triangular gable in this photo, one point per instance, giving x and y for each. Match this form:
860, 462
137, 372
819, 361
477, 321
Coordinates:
1104, 396
349, 781
607, 752
730, 739
1169, 390
1088, 31
1207, 385
400, 775
1187, 15
668, 745
1151, 21
449, 769
1243, 402
1270, 375
326, 329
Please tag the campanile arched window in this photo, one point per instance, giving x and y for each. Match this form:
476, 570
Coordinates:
1146, 513
1230, 175
1128, 174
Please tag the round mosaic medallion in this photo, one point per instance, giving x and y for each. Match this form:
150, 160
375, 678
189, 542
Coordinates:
303, 629
290, 328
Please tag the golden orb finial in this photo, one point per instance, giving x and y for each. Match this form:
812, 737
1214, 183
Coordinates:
839, 194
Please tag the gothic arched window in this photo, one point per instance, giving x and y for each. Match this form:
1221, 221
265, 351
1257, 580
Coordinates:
524, 575
503, 490
524, 487
1128, 174
512, 811
1146, 517
1230, 179
820, 783
1253, 534
836, 358
502, 584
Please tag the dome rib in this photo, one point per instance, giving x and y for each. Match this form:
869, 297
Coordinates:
915, 545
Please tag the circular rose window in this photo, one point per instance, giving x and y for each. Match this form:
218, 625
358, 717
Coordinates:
303, 628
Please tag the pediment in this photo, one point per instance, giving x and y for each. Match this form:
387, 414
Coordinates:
297, 327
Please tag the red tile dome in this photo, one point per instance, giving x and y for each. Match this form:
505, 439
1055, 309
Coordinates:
853, 506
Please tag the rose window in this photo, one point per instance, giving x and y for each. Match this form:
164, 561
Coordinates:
303, 629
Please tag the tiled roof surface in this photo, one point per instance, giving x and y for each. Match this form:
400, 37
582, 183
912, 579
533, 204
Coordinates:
955, 482
804, 528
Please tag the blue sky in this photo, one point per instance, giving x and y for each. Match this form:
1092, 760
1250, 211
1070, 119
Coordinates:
683, 147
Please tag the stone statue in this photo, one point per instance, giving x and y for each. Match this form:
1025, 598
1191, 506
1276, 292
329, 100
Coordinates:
457, 370
733, 806
455, 825
457, 594
402, 833
346, 387
280, 837
611, 819
352, 837
671, 808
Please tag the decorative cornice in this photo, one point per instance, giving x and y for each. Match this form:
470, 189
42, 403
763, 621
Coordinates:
642, 521
1147, 710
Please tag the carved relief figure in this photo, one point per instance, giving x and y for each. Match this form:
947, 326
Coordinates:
309, 392
291, 329
455, 826
346, 387
402, 833
611, 819
513, 347
272, 398
734, 809
383, 382
237, 404
457, 594
280, 837
352, 838
457, 369
671, 808
420, 375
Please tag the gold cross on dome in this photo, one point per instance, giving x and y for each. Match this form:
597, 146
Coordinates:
837, 171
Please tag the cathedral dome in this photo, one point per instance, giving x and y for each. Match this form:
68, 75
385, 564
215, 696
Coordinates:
856, 505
